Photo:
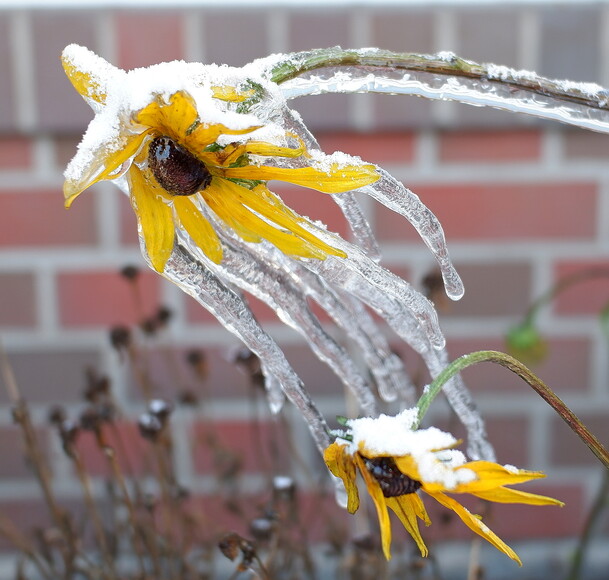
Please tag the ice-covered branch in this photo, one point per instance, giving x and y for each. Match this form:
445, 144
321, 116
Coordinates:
441, 76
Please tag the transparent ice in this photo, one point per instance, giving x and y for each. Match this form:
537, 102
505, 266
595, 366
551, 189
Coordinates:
349, 290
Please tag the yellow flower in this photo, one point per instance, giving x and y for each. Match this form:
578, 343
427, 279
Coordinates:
394, 480
181, 168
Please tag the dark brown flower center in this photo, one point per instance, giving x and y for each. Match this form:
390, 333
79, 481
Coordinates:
392, 481
176, 169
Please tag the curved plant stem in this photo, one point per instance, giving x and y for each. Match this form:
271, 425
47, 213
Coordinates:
530, 378
297, 64
562, 285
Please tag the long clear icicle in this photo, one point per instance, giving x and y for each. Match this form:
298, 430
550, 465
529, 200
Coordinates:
234, 314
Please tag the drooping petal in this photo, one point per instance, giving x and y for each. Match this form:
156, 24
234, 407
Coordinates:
198, 228
506, 495
155, 222
341, 465
406, 508
229, 201
103, 163
491, 475
337, 179
89, 73
476, 525
380, 503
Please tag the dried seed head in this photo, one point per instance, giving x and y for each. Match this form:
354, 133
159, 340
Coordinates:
150, 426
129, 272
175, 168
120, 337
90, 419
161, 409
188, 398
262, 528
57, 415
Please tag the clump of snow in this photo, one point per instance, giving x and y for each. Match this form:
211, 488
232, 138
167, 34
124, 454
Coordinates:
511, 468
129, 92
393, 436
331, 162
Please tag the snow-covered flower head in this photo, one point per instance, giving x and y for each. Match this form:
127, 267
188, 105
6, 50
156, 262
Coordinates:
193, 161
396, 461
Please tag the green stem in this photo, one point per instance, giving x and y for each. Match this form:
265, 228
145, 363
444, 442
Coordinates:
298, 63
530, 378
562, 285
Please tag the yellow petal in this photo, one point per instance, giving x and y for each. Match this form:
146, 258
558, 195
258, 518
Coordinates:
476, 525
337, 179
89, 73
228, 201
492, 475
407, 509
198, 228
106, 162
341, 465
232, 152
506, 495
408, 466
175, 118
231, 94
379, 500
155, 222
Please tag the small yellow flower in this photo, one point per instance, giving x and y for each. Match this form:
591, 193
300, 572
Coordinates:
393, 478
179, 166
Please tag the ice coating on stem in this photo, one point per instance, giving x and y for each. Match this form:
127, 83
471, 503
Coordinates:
234, 314
473, 91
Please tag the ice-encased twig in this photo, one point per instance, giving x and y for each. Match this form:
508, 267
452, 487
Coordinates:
234, 314
440, 76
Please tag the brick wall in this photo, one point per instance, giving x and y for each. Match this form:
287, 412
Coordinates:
522, 204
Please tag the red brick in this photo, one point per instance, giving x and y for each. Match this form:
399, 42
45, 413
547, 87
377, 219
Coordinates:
509, 435
585, 145
104, 298
52, 376
15, 463
245, 446
490, 146
588, 296
17, 300
565, 211
496, 289
15, 153
170, 374
38, 218
134, 454
379, 148
318, 28
565, 370
568, 449
148, 37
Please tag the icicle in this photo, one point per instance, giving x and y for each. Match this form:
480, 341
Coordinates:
392, 194
234, 314
518, 91
346, 201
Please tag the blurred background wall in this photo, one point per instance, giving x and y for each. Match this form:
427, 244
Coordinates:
523, 203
